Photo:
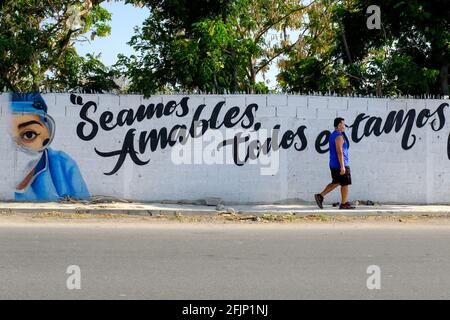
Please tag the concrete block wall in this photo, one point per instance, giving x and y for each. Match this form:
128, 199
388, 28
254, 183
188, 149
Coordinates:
381, 169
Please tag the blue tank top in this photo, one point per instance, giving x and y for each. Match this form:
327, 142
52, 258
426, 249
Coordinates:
334, 160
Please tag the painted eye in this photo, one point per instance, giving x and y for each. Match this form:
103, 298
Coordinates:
29, 135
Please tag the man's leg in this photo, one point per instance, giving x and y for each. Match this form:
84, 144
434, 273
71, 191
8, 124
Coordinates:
329, 188
319, 197
344, 194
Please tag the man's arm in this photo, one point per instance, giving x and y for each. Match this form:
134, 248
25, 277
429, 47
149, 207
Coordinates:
340, 153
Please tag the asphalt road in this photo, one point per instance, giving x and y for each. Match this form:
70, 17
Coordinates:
184, 261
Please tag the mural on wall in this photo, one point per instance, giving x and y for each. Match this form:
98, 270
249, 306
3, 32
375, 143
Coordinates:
41, 173
365, 126
120, 143
135, 143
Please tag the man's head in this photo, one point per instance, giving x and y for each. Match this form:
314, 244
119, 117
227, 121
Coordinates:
339, 124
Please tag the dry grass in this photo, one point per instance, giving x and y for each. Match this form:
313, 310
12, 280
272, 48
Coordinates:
227, 218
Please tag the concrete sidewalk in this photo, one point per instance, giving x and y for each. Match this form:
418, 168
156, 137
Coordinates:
155, 209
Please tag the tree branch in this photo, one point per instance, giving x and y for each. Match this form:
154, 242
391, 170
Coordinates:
280, 53
271, 25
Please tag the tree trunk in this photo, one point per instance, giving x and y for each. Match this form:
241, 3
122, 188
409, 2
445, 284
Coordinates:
379, 92
253, 80
443, 79
252, 76
345, 43
234, 80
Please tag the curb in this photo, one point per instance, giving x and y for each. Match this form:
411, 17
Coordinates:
149, 212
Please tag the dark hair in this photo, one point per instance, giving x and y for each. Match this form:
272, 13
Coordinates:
337, 121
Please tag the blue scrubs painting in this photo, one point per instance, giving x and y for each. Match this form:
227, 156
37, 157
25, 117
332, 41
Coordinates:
42, 174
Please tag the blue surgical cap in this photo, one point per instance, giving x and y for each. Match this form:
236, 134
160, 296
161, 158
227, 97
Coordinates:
28, 103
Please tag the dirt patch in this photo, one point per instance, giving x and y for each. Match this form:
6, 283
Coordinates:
224, 218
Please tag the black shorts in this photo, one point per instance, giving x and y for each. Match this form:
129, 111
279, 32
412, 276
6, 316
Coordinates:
343, 180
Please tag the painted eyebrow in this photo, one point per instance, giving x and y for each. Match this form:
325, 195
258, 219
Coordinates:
26, 124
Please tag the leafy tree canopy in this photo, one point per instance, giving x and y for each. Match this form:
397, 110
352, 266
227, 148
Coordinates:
37, 39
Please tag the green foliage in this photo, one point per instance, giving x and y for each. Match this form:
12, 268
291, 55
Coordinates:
37, 40
227, 45
82, 74
413, 45
399, 74
310, 74
218, 48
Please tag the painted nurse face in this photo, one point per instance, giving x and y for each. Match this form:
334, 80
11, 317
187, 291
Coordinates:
30, 131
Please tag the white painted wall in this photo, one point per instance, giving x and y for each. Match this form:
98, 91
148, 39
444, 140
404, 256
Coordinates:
381, 169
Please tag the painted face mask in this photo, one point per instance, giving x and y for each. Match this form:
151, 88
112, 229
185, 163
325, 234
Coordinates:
25, 162
32, 132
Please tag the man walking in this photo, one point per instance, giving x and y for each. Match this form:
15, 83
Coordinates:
339, 166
